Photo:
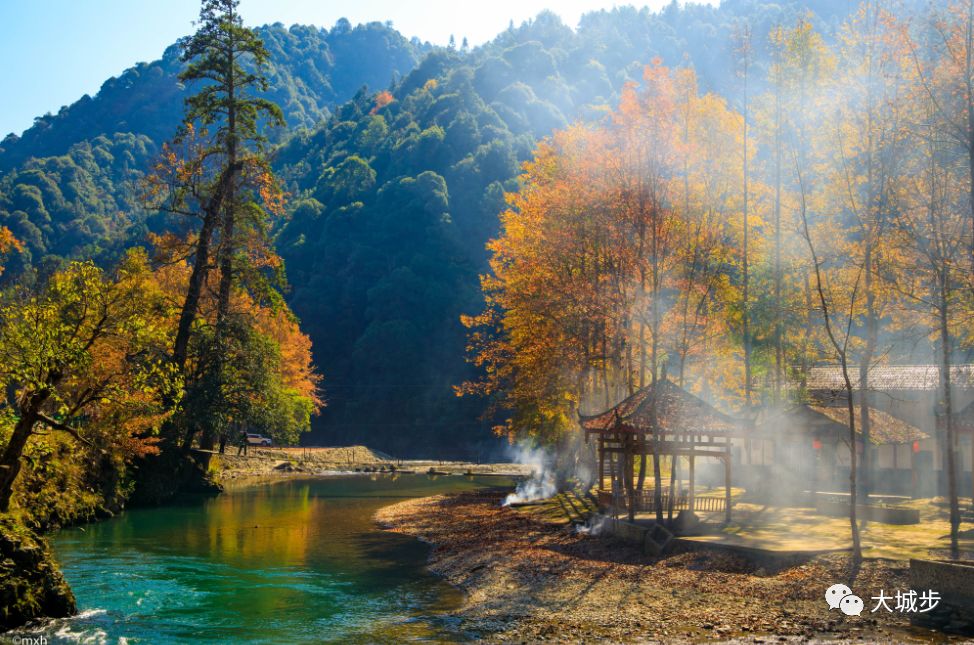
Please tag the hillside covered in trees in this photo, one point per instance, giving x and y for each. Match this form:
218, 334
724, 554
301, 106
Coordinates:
396, 157
68, 185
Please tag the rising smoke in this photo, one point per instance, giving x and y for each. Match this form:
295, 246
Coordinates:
541, 484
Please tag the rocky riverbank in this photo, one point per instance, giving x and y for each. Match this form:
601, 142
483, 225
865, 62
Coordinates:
273, 462
268, 462
529, 579
31, 586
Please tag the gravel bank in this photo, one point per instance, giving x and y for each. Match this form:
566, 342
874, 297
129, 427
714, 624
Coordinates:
261, 463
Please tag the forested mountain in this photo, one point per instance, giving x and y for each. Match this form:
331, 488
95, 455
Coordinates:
394, 193
311, 71
68, 184
398, 193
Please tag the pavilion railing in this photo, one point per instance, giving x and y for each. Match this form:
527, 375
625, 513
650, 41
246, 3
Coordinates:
646, 502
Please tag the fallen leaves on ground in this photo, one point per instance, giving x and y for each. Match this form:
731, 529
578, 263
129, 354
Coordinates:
531, 581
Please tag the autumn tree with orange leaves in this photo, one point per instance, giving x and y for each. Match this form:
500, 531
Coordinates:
611, 270
217, 186
86, 358
8, 243
681, 237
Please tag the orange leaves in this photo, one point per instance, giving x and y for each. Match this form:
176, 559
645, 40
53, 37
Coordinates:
297, 368
8, 243
382, 99
259, 256
611, 256
178, 172
268, 186
169, 247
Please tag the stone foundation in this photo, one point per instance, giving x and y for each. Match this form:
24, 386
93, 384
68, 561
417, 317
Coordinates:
954, 581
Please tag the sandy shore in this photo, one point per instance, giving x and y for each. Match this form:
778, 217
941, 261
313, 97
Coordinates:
528, 579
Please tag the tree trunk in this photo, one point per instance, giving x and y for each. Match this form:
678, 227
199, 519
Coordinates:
807, 336
778, 346
190, 433
201, 268
208, 438
865, 396
949, 440
745, 295
969, 82
657, 473
853, 496
10, 460
840, 352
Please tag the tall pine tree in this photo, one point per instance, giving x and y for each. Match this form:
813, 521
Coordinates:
228, 60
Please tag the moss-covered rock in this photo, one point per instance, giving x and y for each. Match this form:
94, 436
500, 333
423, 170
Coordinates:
31, 586
170, 474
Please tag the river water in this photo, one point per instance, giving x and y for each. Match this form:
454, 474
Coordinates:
292, 561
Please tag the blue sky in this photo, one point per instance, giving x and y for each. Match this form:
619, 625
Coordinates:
54, 51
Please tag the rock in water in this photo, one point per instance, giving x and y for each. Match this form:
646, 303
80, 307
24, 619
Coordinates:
31, 586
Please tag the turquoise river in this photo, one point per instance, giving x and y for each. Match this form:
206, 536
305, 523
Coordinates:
291, 561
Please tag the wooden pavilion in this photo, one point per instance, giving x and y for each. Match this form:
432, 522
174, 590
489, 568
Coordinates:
660, 420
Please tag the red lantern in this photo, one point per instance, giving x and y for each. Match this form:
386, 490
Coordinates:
816, 444
916, 447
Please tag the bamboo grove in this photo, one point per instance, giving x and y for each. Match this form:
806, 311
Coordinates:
821, 216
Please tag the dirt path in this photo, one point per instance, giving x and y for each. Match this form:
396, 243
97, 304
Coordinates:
531, 580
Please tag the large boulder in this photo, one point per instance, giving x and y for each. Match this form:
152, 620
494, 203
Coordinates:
31, 586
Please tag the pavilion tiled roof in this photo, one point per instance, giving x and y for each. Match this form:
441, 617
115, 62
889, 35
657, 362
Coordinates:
676, 410
891, 377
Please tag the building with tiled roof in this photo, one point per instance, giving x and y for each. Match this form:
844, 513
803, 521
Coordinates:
912, 394
884, 378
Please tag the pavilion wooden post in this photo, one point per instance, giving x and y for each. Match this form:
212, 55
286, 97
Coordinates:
601, 463
727, 488
692, 479
618, 470
628, 468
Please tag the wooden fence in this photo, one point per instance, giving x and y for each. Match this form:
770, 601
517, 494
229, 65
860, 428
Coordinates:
647, 502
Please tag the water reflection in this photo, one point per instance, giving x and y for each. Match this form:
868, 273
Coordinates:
294, 561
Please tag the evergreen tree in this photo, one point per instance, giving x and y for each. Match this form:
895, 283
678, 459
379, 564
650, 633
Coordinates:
216, 54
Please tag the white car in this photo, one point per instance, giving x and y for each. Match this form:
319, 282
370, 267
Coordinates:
258, 440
